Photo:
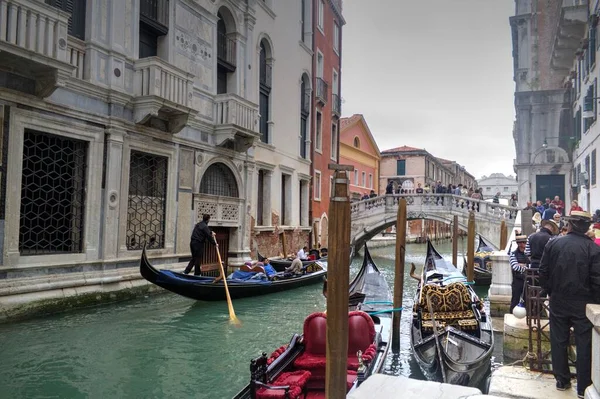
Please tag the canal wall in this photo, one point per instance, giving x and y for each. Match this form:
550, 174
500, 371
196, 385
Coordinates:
27, 297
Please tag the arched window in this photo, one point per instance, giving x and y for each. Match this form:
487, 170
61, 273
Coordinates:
265, 73
304, 112
226, 52
219, 180
356, 142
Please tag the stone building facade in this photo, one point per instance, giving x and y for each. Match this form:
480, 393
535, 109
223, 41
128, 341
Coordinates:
123, 122
498, 183
546, 37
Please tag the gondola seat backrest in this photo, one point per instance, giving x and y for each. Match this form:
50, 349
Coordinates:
451, 298
361, 337
315, 328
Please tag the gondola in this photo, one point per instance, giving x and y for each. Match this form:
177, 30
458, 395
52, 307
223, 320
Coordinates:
482, 270
281, 264
205, 289
451, 335
300, 365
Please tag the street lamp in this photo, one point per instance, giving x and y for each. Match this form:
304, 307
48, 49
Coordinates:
545, 144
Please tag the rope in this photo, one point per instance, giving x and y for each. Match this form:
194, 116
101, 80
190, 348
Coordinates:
378, 302
385, 311
528, 355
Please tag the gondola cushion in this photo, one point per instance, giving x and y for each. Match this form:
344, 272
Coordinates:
276, 354
296, 380
453, 297
428, 325
468, 324
461, 314
361, 332
317, 380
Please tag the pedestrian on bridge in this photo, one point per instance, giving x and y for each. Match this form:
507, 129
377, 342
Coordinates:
570, 273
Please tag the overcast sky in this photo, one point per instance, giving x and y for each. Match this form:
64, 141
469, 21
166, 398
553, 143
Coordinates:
433, 74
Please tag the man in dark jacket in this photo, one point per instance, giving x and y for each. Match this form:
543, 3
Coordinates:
537, 242
200, 235
570, 273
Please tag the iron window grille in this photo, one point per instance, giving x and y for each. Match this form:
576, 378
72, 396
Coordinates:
219, 180
146, 203
52, 194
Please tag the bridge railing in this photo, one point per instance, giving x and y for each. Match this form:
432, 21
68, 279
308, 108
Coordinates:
445, 202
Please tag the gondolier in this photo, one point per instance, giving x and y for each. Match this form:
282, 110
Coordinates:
200, 235
570, 273
537, 242
519, 262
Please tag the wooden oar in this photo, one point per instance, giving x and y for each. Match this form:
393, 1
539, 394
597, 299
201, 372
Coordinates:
232, 318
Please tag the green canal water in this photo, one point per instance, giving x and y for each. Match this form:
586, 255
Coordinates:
167, 346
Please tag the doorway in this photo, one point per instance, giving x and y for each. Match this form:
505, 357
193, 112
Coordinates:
548, 186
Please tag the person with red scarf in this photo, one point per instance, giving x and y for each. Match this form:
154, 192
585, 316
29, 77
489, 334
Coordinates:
558, 204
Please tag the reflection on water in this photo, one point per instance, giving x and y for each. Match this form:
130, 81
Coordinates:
170, 346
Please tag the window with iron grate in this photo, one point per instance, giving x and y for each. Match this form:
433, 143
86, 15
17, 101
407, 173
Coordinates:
146, 202
52, 194
219, 180
77, 19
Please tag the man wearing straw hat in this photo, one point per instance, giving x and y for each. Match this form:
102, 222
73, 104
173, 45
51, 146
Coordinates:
570, 273
519, 262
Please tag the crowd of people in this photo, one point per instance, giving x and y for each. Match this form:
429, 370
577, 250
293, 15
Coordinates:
563, 256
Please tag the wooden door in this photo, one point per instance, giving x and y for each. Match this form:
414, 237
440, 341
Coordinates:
210, 263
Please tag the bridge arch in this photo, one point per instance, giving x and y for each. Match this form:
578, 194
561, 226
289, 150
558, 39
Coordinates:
371, 217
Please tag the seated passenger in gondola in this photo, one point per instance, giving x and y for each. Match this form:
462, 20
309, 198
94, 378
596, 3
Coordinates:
269, 270
295, 267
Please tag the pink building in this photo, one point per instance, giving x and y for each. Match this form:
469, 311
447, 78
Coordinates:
359, 149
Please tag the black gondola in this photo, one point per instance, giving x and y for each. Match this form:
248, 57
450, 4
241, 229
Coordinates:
205, 289
300, 365
482, 270
281, 264
451, 335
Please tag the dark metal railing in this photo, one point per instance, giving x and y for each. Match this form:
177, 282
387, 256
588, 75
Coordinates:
322, 90
539, 355
156, 11
266, 72
226, 49
337, 104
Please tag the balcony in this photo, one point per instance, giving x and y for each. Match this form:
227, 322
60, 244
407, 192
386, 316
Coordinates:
336, 106
156, 14
223, 211
322, 91
33, 43
236, 121
162, 92
226, 52
568, 33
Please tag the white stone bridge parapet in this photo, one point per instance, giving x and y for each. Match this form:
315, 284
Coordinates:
372, 216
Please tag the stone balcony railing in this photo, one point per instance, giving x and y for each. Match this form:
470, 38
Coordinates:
76, 57
236, 121
567, 33
33, 38
162, 91
223, 211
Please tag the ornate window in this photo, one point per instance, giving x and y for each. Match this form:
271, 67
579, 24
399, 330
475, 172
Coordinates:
52, 194
219, 180
147, 200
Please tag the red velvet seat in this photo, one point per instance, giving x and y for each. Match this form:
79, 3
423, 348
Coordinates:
315, 341
296, 380
361, 334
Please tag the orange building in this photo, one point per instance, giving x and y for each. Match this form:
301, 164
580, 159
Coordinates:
359, 149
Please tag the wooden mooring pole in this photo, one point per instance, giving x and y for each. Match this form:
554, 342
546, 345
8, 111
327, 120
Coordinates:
399, 273
338, 280
471, 247
455, 241
503, 234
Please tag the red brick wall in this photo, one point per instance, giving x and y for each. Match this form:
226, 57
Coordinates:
269, 243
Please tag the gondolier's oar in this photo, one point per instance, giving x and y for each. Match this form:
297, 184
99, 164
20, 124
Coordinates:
232, 318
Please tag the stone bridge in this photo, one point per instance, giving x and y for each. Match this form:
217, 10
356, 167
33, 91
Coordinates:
371, 217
